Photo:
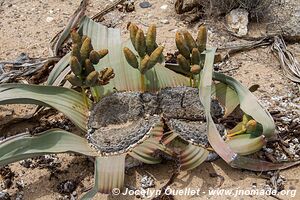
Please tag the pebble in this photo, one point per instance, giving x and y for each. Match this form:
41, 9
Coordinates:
145, 4
165, 21
147, 182
4, 196
237, 21
164, 7
26, 163
268, 150
66, 187
49, 19
295, 141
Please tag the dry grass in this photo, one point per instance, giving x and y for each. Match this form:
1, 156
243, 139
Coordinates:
256, 8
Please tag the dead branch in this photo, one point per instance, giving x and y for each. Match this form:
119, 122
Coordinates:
288, 62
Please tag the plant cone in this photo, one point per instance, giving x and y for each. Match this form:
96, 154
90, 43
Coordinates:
133, 29
140, 43
76, 51
103, 53
131, 58
151, 39
94, 57
74, 80
76, 39
86, 48
92, 79
108, 73
144, 64
88, 66
191, 43
202, 38
183, 63
195, 56
182, 46
83, 38
195, 69
75, 66
154, 57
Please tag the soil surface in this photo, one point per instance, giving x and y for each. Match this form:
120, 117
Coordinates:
28, 26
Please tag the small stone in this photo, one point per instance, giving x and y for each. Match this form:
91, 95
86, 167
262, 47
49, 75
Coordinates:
286, 120
26, 163
49, 19
165, 21
147, 182
74, 193
67, 187
145, 4
295, 141
4, 196
20, 184
237, 21
164, 7
268, 150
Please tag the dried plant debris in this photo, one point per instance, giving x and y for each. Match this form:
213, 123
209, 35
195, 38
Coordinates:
4, 195
256, 8
46, 161
286, 114
8, 176
67, 187
121, 120
23, 66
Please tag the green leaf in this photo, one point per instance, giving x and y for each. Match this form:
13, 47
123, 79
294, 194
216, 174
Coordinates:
53, 141
249, 104
64, 100
226, 96
245, 144
218, 144
126, 77
205, 97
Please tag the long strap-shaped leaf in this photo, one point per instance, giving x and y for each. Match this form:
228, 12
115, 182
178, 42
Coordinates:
126, 77
249, 104
192, 156
64, 100
109, 173
226, 96
144, 151
214, 137
53, 141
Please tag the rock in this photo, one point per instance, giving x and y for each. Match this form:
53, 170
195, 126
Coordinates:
292, 26
26, 163
164, 7
268, 150
145, 4
165, 21
237, 21
147, 182
4, 196
295, 141
67, 187
49, 19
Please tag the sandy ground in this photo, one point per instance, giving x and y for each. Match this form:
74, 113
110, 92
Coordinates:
27, 26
